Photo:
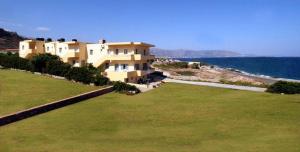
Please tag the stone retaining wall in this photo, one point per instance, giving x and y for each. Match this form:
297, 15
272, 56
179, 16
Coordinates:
4, 120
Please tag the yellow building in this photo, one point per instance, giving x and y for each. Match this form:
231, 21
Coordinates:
71, 52
120, 61
123, 61
28, 48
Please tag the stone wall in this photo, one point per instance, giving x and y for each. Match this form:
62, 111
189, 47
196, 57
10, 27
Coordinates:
4, 120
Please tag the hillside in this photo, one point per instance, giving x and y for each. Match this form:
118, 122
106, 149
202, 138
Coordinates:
9, 40
185, 53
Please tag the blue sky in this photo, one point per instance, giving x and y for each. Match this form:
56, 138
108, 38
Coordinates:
260, 27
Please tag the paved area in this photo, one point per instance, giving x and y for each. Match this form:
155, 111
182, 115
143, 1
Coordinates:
145, 88
219, 85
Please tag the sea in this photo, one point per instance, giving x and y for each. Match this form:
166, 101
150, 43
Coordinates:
276, 67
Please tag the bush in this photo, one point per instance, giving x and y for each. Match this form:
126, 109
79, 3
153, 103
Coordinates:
14, 61
284, 87
80, 74
40, 61
125, 88
51, 64
57, 67
101, 80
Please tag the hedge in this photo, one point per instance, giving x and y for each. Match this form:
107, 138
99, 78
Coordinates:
51, 64
284, 87
125, 88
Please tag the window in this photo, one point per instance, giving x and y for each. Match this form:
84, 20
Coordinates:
124, 67
144, 52
23, 47
74, 61
145, 66
117, 51
136, 66
60, 50
91, 52
125, 51
65, 48
136, 51
116, 67
106, 65
47, 48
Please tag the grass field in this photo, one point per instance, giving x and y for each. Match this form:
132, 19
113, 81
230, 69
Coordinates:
174, 117
22, 90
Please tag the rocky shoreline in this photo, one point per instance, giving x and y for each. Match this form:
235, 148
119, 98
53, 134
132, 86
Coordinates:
196, 71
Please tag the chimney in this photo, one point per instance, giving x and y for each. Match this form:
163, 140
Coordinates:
102, 41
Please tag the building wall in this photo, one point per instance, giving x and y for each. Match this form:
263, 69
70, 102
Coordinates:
62, 50
30, 47
82, 53
50, 47
95, 53
39, 47
24, 49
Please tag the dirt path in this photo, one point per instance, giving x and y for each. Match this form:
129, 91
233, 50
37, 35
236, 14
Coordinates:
219, 85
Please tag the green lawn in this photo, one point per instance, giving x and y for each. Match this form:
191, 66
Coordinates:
22, 90
172, 118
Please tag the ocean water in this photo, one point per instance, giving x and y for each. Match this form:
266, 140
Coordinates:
277, 67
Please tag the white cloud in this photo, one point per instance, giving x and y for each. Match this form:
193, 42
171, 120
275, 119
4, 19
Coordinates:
43, 29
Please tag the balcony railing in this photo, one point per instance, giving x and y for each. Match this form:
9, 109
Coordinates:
72, 54
130, 57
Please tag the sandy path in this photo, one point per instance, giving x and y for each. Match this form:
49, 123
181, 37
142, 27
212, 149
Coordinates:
211, 84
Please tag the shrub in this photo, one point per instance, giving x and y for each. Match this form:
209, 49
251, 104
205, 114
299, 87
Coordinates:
39, 62
80, 74
125, 88
57, 67
284, 87
101, 80
14, 61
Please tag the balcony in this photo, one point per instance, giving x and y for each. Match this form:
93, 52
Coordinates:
120, 75
143, 57
119, 57
72, 54
133, 57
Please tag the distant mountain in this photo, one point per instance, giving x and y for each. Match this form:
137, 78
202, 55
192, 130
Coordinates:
9, 40
185, 53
